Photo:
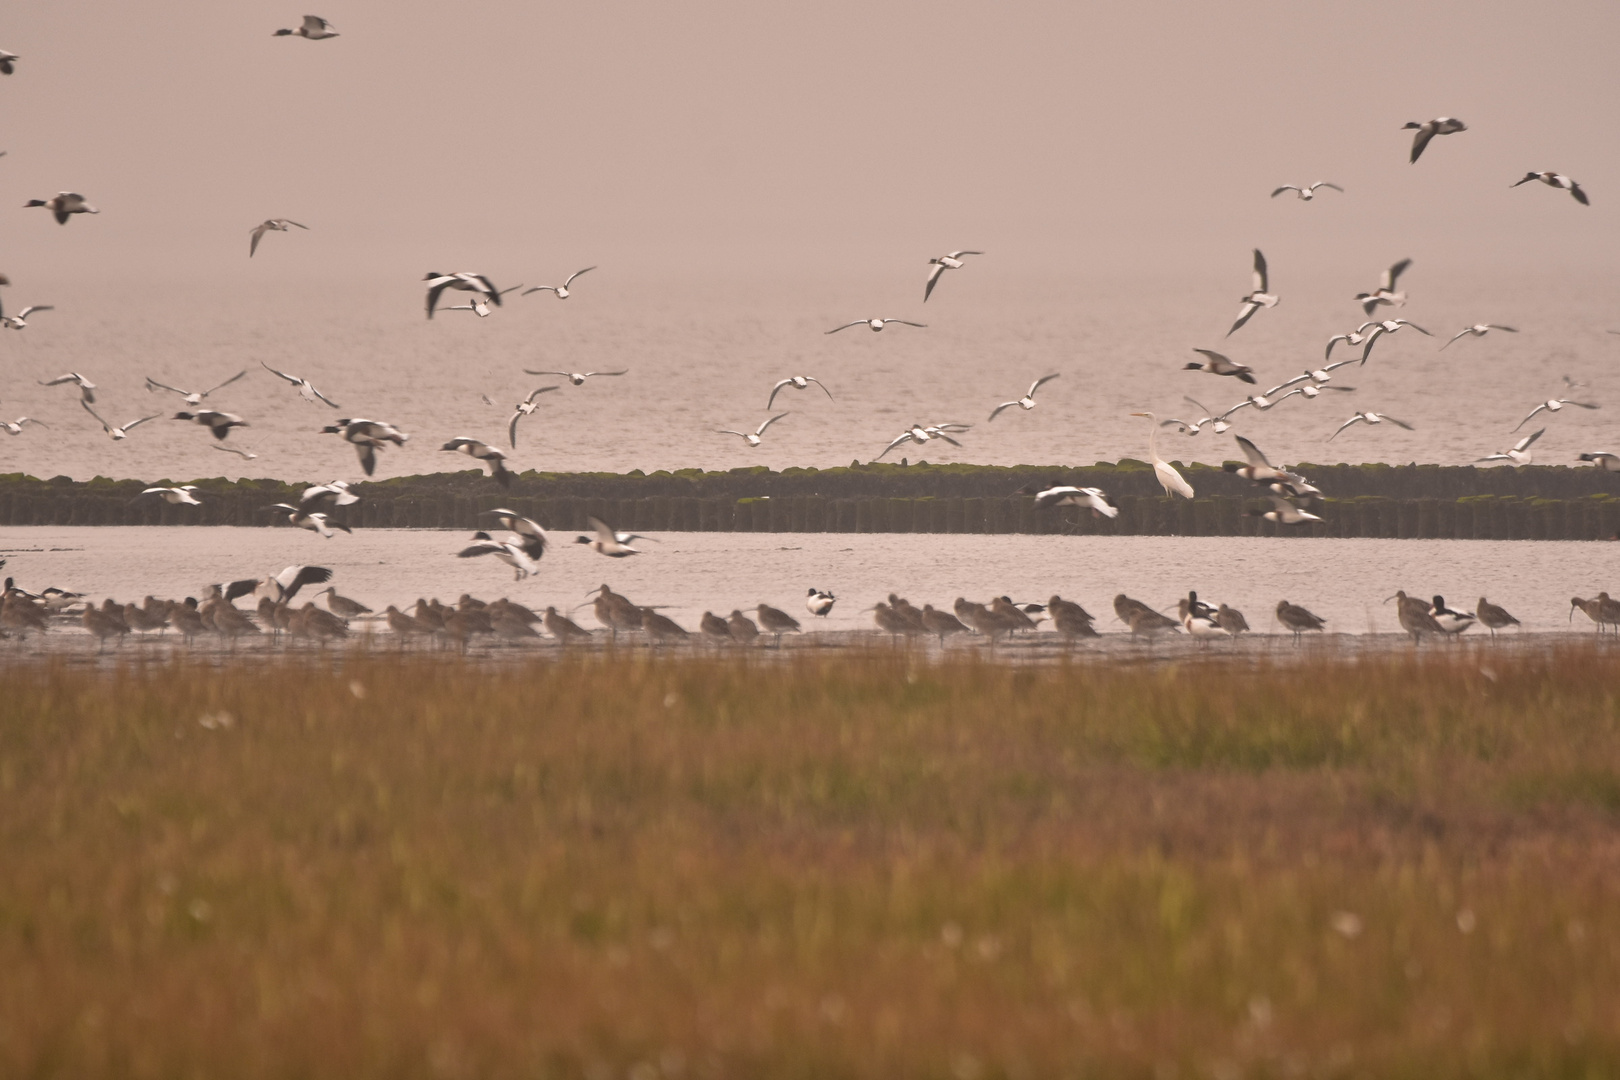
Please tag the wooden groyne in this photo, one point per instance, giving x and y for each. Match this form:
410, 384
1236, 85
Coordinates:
1423, 502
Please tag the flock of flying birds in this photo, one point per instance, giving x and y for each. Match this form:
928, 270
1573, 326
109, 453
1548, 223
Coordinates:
525, 542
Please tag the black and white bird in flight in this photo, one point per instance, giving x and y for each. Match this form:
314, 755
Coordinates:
577, 377
526, 407
313, 520
562, 291
367, 437
1306, 193
753, 438
1388, 326
8, 62
313, 27
608, 541
1026, 402
87, 389
1519, 453
219, 423
875, 324
271, 225
1552, 179
798, 382
482, 451
306, 389
1260, 297
473, 283
1370, 418
1216, 364
1385, 293
1477, 330
116, 432
63, 205
1555, 405
19, 321
192, 397
938, 266
1427, 130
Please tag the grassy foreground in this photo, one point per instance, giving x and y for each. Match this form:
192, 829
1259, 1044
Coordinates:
635, 867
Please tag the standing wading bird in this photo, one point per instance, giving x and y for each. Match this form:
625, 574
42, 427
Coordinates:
1555, 405
1427, 130
953, 261
775, 621
63, 205
1169, 479
577, 377
1600, 609
19, 321
1552, 179
367, 437
1296, 620
1477, 330
1027, 402
1306, 193
87, 389
193, 397
526, 407
1493, 617
1519, 454
270, 225
1385, 293
314, 28
219, 423
1370, 418
1413, 615
306, 389
116, 432
561, 291
752, 438
482, 451
1452, 622
819, 602
874, 324
1216, 364
1257, 299
798, 382
462, 282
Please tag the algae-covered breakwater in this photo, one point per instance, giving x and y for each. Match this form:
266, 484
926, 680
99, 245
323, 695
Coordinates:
1413, 501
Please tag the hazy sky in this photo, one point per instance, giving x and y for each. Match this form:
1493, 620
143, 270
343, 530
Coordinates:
773, 141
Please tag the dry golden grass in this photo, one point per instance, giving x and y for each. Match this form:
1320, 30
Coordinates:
877, 866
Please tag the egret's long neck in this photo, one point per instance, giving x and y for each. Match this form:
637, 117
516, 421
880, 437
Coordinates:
1153, 439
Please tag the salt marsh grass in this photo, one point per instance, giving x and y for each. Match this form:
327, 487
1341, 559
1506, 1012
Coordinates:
875, 865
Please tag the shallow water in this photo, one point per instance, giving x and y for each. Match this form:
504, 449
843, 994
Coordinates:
1343, 581
703, 357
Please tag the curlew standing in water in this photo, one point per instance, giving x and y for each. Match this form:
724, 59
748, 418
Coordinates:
1297, 621
1495, 618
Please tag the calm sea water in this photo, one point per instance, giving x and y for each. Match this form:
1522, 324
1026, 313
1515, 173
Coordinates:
1342, 580
704, 356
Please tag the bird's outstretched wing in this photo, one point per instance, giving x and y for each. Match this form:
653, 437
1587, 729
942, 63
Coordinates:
1260, 272
761, 429
775, 390
862, 322
1004, 405
226, 383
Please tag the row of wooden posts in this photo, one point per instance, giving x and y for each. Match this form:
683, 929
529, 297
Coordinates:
1475, 518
